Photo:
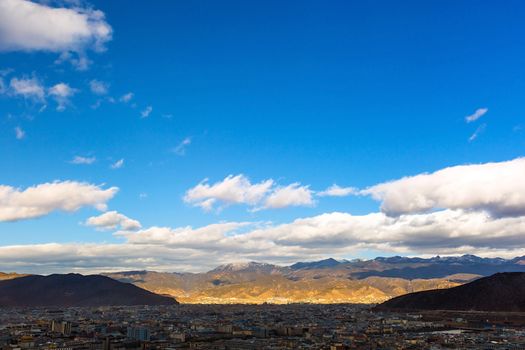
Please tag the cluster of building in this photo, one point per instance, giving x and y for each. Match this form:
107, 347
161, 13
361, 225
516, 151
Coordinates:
294, 326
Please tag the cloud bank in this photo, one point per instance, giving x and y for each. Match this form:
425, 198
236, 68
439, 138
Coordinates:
336, 234
476, 209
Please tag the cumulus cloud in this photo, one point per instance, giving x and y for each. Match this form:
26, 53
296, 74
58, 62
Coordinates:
83, 160
29, 88
19, 133
480, 112
288, 196
232, 190
62, 92
476, 209
334, 234
31, 26
337, 191
113, 220
146, 112
118, 164
98, 87
34, 90
497, 188
181, 147
32, 202
239, 190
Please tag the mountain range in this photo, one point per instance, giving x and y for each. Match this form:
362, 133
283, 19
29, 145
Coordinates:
325, 281
499, 292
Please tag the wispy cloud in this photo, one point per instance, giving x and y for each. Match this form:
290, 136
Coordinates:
29, 88
337, 191
98, 87
126, 97
19, 133
83, 160
480, 129
181, 147
480, 112
118, 164
146, 112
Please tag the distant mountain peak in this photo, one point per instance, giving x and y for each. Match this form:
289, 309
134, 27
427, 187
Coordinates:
249, 266
321, 264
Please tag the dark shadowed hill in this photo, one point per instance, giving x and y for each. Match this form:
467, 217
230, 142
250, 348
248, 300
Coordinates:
499, 292
75, 290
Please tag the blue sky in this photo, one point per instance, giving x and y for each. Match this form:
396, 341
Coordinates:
346, 93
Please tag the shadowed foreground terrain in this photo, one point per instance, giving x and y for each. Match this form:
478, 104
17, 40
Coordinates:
500, 292
74, 290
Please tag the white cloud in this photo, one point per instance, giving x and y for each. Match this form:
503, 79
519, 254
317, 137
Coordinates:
239, 190
29, 88
186, 237
19, 133
118, 164
113, 220
31, 26
126, 97
497, 188
98, 87
83, 160
62, 92
146, 112
181, 147
480, 112
476, 133
337, 191
476, 209
288, 196
332, 234
232, 190
42, 199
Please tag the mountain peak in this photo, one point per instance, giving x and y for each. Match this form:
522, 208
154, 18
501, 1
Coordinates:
250, 266
321, 264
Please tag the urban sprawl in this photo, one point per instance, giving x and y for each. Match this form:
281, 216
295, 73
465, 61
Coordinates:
294, 326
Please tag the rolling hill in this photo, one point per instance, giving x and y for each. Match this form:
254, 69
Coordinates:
74, 290
499, 292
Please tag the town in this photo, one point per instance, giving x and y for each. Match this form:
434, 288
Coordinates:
267, 326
